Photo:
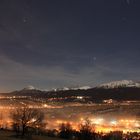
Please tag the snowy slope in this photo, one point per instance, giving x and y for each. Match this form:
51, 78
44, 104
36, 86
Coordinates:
118, 84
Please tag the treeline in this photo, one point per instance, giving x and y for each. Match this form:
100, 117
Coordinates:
125, 93
28, 121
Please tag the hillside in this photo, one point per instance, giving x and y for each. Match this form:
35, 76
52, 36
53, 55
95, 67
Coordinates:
125, 90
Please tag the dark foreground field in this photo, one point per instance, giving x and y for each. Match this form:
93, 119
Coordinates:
8, 135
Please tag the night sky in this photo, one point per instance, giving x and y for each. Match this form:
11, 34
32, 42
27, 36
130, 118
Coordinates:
57, 43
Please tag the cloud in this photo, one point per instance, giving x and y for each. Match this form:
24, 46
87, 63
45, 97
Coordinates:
56, 48
15, 75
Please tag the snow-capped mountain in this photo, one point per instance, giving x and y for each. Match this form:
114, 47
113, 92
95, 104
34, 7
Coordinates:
119, 84
71, 88
126, 89
82, 88
110, 85
29, 88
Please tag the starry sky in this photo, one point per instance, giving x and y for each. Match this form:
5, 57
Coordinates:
57, 43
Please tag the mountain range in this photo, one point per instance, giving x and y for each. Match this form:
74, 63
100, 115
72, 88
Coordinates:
117, 90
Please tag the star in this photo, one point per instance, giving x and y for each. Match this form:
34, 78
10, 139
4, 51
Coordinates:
128, 2
94, 58
25, 19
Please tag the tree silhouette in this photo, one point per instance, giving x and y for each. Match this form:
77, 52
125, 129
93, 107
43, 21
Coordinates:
116, 135
25, 118
65, 130
87, 131
1, 121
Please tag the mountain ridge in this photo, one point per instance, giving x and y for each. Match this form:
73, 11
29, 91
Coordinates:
118, 84
96, 94
108, 85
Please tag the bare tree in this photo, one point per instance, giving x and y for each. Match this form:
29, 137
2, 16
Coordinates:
87, 131
1, 121
66, 130
25, 118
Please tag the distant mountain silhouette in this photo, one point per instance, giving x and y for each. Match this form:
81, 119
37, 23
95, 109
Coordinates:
127, 91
